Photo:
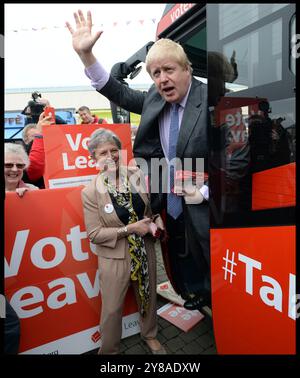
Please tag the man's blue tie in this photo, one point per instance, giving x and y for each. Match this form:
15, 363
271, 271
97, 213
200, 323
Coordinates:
174, 203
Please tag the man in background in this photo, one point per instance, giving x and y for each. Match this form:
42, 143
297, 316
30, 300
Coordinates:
87, 117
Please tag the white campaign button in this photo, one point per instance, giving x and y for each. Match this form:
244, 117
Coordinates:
108, 208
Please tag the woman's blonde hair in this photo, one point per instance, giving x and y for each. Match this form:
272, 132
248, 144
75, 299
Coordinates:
17, 149
166, 48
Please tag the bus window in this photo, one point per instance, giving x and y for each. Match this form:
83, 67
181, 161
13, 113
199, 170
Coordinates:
252, 109
234, 17
194, 44
258, 56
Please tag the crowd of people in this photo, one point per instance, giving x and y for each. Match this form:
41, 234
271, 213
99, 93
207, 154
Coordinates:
125, 242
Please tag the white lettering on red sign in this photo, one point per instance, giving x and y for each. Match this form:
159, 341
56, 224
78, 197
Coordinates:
250, 264
271, 295
180, 10
36, 255
76, 144
65, 294
30, 301
81, 162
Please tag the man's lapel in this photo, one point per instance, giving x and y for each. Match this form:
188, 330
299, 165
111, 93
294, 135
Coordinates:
191, 114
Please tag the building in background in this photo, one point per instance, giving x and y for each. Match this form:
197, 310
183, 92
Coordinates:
65, 100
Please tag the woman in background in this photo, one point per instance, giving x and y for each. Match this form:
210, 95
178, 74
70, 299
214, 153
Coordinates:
16, 161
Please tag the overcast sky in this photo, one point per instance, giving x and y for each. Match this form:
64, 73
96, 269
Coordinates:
38, 47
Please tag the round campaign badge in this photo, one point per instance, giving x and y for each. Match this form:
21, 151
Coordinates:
108, 208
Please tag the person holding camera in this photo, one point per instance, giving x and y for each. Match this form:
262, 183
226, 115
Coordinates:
36, 117
35, 107
120, 223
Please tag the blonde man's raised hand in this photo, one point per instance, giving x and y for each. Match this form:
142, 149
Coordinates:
82, 38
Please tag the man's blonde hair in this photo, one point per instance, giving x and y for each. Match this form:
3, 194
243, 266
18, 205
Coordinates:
166, 48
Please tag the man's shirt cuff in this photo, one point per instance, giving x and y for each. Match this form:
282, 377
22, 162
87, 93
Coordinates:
97, 74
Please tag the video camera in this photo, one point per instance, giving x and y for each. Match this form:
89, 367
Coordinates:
33, 109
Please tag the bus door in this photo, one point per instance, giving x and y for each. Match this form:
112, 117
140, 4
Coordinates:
251, 83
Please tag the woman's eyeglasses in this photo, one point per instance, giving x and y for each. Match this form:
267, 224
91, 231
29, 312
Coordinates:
18, 165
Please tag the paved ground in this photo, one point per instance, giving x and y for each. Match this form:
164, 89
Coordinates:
199, 340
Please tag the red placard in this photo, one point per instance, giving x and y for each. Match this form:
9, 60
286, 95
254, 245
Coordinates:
179, 316
67, 160
254, 290
51, 273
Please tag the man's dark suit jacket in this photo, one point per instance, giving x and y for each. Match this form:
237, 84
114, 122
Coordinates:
192, 143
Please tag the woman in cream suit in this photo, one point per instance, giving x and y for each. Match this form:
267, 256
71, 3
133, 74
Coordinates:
118, 221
